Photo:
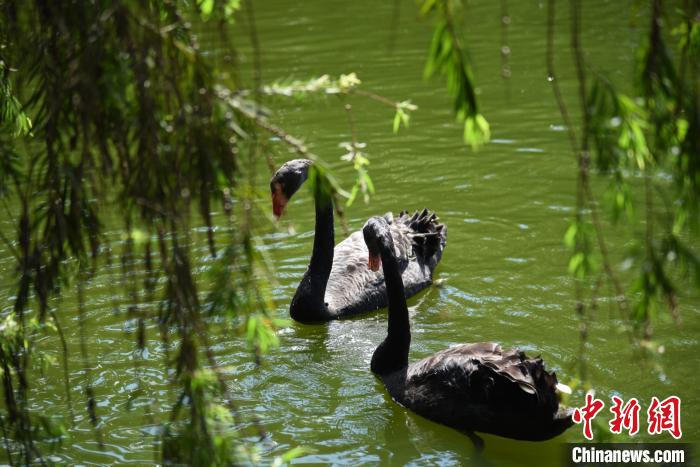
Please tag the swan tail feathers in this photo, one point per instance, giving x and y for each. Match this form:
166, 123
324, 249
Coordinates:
536, 390
428, 235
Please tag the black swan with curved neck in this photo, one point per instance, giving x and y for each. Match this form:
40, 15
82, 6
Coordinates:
338, 282
470, 387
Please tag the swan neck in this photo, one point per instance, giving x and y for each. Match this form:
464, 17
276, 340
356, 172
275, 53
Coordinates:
399, 326
309, 302
324, 239
392, 354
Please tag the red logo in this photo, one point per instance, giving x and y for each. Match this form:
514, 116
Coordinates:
662, 416
626, 417
587, 413
665, 416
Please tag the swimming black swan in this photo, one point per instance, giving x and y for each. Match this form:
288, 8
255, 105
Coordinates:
338, 282
470, 387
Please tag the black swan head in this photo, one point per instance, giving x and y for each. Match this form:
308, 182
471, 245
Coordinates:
377, 238
286, 182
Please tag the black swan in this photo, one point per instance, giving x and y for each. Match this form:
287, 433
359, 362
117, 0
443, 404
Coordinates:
470, 387
338, 282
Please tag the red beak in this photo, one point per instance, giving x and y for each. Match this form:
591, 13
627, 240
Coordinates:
374, 262
279, 201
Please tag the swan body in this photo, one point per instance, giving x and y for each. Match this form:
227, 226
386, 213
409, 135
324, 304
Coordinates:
338, 282
470, 387
479, 387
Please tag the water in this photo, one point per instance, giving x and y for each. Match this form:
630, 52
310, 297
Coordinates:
503, 273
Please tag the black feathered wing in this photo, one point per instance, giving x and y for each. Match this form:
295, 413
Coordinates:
353, 288
479, 387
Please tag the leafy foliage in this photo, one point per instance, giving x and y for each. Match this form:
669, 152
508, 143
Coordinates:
364, 183
11, 112
651, 137
446, 57
130, 112
124, 111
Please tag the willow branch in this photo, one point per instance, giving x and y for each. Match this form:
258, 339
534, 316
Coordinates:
584, 159
552, 76
375, 97
66, 374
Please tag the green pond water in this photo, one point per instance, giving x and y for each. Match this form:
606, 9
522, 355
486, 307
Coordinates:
503, 273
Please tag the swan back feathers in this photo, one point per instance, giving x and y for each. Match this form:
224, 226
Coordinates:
488, 374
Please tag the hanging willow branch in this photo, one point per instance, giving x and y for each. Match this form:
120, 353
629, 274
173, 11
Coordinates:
124, 111
447, 57
629, 139
129, 113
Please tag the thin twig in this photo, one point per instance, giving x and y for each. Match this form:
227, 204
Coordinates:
394, 28
552, 77
585, 190
66, 374
255, 44
376, 97
505, 48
